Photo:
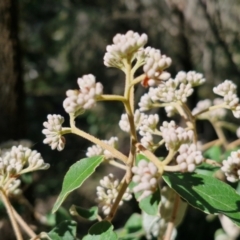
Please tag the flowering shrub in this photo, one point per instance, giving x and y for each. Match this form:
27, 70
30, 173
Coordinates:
159, 183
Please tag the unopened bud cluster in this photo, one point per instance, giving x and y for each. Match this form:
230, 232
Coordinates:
85, 97
155, 64
227, 90
172, 90
175, 136
189, 156
96, 150
17, 161
125, 46
146, 176
108, 191
53, 128
231, 167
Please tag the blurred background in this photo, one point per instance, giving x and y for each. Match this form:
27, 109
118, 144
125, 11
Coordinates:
46, 45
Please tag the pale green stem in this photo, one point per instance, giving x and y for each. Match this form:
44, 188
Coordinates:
220, 134
8, 206
234, 144
175, 168
138, 80
230, 126
23, 224
116, 164
222, 105
151, 157
206, 146
95, 140
169, 157
171, 223
212, 162
111, 98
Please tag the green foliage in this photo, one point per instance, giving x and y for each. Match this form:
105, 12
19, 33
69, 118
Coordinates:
76, 176
101, 231
90, 214
132, 230
64, 231
214, 153
208, 194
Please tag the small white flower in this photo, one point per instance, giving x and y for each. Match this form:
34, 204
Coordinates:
231, 167
147, 141
53, 128
107, 193
175, 136
146, 176
224, 88
148, 124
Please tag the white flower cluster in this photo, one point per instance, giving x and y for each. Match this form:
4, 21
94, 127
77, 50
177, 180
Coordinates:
172, 90
213, 115
107, 193
17, 161
96, 150
189, 156
146, 176
155, 63
53, 128
227, 90
85, 97
175, 136
125, 46
231, 167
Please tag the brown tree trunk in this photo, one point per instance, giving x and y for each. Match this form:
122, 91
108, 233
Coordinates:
11, 84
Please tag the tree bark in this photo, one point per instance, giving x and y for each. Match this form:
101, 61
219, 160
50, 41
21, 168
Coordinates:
11, 84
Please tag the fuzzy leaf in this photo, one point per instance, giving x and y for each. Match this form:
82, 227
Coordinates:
75, 177
208, 194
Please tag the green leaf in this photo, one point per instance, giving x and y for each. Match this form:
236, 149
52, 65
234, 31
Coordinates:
101, 231
148, 204
75, 177
208, 194
213, 153
134, 223
64, 231
90, 214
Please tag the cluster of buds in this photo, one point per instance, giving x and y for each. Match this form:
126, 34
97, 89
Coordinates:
84, 98
155, 63
189, 156
172, 90
146, 176
108, 191
175, 136
17, 161
53, 132
213, 115
231, 167
227, 90
125, 46
96, 150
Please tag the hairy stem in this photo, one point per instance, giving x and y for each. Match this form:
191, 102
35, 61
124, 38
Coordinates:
9, 208
97, 141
